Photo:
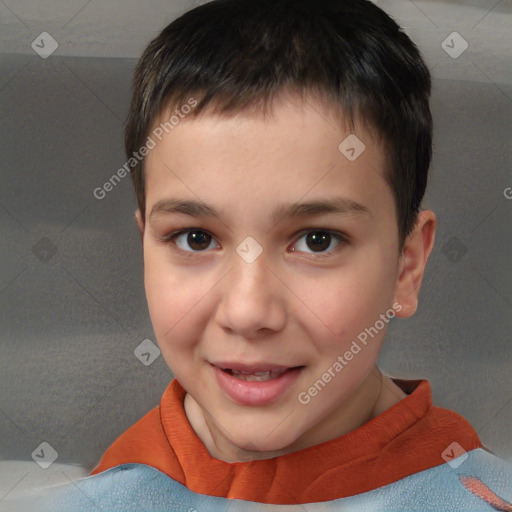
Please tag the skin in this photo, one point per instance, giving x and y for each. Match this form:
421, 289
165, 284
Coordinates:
290, 307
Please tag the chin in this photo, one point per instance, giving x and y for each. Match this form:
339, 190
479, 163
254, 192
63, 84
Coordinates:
263, 446
281, 438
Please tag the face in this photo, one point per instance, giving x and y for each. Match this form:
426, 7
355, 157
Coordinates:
255, 296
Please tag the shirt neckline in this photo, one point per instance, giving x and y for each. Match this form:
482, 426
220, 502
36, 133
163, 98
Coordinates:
358, 443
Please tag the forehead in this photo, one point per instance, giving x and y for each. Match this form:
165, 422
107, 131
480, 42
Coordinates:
303, 115
298, 148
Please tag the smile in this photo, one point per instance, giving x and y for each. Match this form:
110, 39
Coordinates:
255, 376
255, 385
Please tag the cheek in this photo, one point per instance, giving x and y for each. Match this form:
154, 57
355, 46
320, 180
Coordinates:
347, 299
343, 305
174, 307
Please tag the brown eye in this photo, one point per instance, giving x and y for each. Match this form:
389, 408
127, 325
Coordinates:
194, 239
319, 241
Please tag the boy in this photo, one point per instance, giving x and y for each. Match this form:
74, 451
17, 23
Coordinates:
286, 147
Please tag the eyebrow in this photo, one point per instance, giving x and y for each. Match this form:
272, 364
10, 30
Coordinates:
335, 205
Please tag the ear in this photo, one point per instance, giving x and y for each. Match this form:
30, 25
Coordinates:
413, 260
140, 224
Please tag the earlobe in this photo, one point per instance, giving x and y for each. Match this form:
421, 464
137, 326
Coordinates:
140, 224
417, 249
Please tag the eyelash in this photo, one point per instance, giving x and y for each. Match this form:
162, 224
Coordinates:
340, 237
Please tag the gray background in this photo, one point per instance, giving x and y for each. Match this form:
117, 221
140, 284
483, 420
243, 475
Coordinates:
72, 305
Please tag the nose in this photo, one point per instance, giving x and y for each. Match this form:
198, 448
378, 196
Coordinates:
253, 299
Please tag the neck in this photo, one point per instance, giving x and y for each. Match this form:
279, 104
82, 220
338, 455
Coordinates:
374, 395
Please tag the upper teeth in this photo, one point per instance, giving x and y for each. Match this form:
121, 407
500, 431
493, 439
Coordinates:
252, 376
251, 373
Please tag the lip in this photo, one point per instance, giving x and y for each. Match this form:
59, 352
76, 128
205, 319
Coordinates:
255, 393
251, 368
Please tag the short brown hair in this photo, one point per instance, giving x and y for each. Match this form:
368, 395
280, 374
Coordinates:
236, 53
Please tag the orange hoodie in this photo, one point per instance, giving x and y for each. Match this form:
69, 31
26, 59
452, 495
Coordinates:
409, 437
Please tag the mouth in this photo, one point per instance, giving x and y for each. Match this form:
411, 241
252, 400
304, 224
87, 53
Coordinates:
256, 384
257, 372
261, 376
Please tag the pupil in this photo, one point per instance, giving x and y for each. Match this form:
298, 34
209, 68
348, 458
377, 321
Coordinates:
196, 238
318, 240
